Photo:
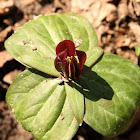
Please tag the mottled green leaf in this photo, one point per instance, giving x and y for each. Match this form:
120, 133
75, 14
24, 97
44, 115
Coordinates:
41, 106
112, 94
76, 100
42, 64
93, 55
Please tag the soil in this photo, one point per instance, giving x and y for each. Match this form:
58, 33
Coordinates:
117, 24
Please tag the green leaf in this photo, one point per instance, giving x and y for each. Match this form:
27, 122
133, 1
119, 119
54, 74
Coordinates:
40, 37
76, 100
93, 55
79, 28
112, 94
41, 106
42, 64
137, 50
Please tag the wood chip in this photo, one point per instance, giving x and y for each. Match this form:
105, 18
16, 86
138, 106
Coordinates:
4, 33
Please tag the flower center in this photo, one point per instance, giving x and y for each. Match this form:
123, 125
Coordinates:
72, 66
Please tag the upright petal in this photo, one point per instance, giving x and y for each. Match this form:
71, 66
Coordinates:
82, 58
59, 60
66, 44
61, 63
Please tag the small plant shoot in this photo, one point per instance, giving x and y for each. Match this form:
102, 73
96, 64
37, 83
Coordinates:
70, 80
137, 50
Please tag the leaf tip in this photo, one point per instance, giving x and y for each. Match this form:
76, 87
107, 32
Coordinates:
19, 57
80, 123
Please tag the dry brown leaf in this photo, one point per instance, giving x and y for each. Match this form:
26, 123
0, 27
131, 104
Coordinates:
81, 4
123, 9
135, 28
8, 78
100, 31
5, 6
27, 2
119, 40
127, 41
4, 33
4, 57
134, 8
100, 11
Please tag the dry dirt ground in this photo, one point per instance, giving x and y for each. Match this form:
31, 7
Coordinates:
117, 24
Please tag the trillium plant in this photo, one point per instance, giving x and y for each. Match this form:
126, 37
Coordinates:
70, 80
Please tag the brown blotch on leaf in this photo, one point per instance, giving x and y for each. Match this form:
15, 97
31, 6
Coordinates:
62, 116
34, 48
24, 42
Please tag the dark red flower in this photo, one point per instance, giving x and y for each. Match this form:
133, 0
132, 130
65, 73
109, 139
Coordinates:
65, 61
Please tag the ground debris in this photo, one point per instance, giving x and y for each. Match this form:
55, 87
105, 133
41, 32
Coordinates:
4, 57
5, 6
4, 33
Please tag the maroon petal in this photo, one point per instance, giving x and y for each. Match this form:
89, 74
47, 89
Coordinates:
60, 63
65, 69
82, 58
66, 44
59, 60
